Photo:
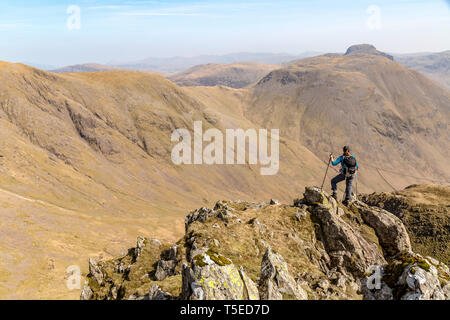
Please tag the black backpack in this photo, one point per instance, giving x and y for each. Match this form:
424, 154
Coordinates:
350, 164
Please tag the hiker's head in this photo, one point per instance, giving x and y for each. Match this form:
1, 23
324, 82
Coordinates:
346, 150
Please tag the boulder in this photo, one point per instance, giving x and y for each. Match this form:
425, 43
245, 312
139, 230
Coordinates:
315, 196
157, 294
250, 288
167, 265
348, 249
86, 293
214, 277
390, 230
409, 276
200, 215
274, 202
139, 247
96, 271
276, 283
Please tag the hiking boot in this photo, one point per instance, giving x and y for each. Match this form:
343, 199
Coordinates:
346, 202
334, 196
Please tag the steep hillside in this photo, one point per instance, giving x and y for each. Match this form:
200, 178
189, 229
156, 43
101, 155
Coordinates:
434, 65
87, 165
235, 75
313, 250
395, 119
425, 211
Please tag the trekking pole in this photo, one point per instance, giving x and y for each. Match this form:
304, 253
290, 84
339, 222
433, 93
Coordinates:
326, 172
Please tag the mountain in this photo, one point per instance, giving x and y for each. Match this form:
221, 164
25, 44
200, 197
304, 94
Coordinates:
315, 249
434, 65
395, 119
177, 64
87, 165
367, 49
87, 157
234, 75
88, 67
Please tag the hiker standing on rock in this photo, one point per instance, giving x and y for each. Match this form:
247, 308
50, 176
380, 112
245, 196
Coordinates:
349, 167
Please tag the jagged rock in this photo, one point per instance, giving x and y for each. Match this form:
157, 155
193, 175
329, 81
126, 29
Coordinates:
112, 293
384, 293
346, 247
274, 202
86, 293
165, 269
200, 215
336, 247
214, 277
301, 215
120, 268
258, 225
275, 281
166, 266
139, 246
95, 271
157, 294
341, 282
250, 289
222, 205
299, 202
409, 276
323, 284
315, 196
390, 230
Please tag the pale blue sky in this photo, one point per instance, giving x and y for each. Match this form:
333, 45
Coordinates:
37, 31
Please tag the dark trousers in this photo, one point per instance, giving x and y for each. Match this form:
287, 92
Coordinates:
348, 184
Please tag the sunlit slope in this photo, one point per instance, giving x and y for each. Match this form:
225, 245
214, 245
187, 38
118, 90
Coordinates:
394, 118
87, 166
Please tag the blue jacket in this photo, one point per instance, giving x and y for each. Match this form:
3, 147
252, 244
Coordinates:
341, 161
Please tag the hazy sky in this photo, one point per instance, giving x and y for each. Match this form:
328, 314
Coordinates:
52, 32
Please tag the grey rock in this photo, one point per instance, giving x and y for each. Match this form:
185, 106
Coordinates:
139, 247
86, 293
157, 294
95, 271
390, 230
275, 280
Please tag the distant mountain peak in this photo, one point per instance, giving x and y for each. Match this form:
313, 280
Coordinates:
367, 49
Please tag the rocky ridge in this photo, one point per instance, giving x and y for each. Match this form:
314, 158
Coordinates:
315, 249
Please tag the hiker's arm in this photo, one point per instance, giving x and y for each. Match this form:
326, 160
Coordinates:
337, 161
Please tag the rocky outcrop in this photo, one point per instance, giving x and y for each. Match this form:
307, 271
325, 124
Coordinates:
214, 277
367, 49
276, 283
390, 230
347, 248
424, 211
167, 265
315, 249
409, 276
